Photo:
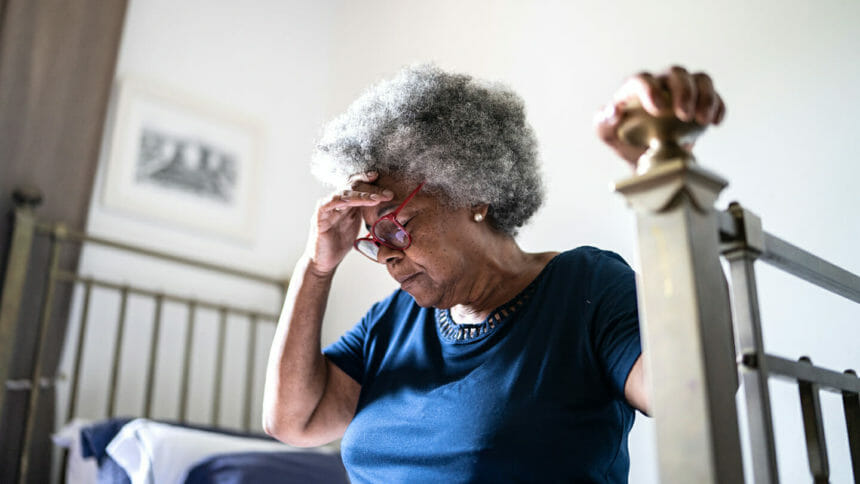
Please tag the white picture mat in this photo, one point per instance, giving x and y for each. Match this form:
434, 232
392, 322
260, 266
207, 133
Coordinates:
143, 105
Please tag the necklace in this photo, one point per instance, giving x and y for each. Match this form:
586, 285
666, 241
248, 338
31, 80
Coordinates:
466, 333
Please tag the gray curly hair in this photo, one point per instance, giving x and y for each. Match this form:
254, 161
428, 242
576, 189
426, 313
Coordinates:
467, 140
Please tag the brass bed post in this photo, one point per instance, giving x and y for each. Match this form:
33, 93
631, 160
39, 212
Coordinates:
684, 307
57, 233
17, 262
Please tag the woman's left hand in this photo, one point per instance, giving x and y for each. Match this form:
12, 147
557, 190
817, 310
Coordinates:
676, 92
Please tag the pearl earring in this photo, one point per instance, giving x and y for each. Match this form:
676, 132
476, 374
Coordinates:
479, 217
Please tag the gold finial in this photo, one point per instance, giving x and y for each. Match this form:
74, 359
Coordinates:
664, 136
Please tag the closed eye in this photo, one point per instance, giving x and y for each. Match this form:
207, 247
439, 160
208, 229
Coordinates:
405, 223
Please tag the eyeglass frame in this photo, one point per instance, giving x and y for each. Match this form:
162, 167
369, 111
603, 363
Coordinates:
392, 216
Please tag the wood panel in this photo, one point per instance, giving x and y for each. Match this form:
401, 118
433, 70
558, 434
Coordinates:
57, 62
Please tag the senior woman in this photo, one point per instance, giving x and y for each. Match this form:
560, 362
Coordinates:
489, 363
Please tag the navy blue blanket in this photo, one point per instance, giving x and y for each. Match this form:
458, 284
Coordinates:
236, 468
270, 467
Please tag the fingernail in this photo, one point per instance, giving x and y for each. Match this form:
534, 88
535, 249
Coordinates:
610, 113
388, 193
371, 173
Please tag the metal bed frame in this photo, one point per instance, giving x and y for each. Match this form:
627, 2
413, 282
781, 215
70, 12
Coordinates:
26, 228
698, 334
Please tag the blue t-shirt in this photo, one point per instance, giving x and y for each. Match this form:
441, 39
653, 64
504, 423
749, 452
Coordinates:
533, 394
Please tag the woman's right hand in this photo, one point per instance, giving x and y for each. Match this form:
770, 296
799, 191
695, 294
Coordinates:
338, 219
676, 92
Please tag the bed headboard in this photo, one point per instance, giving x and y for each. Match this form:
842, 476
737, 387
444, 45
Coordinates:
129, 338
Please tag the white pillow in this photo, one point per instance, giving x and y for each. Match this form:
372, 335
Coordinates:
78, 469
152, 452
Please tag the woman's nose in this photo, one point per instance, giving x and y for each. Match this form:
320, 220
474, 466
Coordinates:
386, 255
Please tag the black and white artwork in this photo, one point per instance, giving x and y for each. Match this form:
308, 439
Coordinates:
185, 162
198, 167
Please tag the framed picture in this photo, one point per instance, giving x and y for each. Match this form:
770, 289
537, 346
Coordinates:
184, 161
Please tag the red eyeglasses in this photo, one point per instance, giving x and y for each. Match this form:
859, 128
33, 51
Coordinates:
386, 231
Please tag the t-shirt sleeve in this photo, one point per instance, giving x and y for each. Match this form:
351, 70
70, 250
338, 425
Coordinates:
348, 351
615, 324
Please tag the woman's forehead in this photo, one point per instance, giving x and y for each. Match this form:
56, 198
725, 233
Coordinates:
399, 185
401, 188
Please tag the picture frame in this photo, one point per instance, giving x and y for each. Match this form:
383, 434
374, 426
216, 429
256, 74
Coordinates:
187, 162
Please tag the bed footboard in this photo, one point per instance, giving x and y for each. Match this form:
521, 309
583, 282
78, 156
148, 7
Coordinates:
698, 334
237, 329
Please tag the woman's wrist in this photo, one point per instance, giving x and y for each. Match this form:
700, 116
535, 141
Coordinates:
312, 268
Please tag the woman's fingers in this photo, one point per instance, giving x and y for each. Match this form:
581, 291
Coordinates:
721, 110
646, 89
688, 96
361, 194
362, 183
693, 96
682, 91
366, 177
676, 92
706, 99
606, 123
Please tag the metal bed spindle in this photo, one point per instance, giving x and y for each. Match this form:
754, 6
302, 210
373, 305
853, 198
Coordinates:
117, 353
851, 407
219, 368
79, 351
153, 354
249, 375
813, 429
186, 361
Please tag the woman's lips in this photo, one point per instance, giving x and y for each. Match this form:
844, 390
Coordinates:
407, 279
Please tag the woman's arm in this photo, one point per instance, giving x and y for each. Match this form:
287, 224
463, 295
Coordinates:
634, 388
308, 400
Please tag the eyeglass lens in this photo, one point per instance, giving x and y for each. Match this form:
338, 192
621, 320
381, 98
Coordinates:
389, 232
368, 248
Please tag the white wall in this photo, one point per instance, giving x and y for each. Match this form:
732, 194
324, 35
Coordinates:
788, 71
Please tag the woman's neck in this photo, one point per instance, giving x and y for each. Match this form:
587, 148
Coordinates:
504, 273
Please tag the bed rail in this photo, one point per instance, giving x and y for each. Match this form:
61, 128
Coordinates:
744, 242
26, 230
690, 336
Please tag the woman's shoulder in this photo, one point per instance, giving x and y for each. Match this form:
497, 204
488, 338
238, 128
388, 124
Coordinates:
587, 254
587, 262
398, 299
396, 304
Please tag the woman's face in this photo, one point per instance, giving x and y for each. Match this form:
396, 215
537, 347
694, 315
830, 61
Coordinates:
437, 269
